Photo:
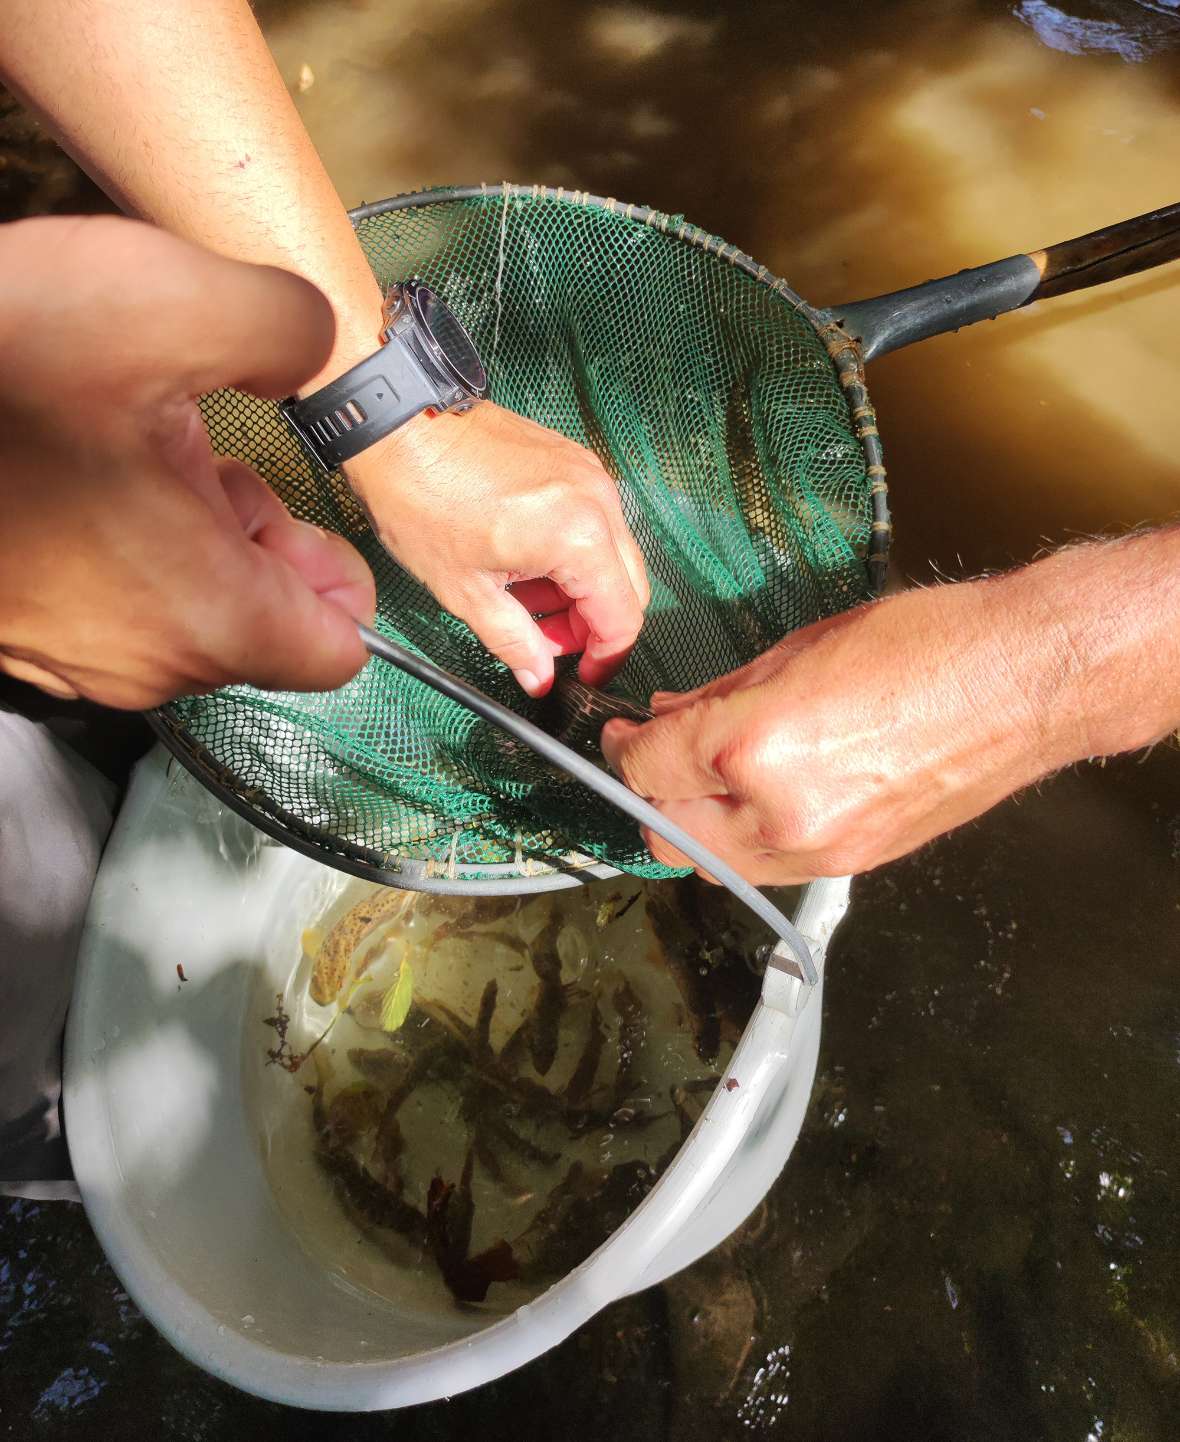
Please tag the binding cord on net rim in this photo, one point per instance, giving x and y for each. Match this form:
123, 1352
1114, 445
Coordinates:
585, 771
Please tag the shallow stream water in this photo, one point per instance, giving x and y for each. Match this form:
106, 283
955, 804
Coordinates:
976, 1236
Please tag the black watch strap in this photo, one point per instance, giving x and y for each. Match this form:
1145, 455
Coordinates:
350, 413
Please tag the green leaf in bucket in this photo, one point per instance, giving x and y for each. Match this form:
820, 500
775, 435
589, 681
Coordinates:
396, 1006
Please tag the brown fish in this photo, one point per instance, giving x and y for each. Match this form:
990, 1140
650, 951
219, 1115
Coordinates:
334, 961
580, 1083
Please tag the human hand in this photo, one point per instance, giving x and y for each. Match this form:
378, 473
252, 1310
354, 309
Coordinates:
468, 504
859, 738
476, 503
134, 565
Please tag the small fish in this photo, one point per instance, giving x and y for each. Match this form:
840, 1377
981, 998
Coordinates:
582, 708
631, 1032
399, 1072
482, 911
361, 1190
388, 1146
483, 1022
506, 939
550, 998
586, 1206
680, 928
575, 714
511, 1140
385, 1067
579, 1084
334, 961
490, 1162
352, 1111
448, 1235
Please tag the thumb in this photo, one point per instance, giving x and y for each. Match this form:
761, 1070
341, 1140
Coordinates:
332, 568
670, 759
304, 587
291, 639
147, 313
508, 630
664, 702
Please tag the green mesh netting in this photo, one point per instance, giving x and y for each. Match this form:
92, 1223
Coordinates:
709, 396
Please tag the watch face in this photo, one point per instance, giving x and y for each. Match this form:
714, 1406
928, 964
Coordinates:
450, 337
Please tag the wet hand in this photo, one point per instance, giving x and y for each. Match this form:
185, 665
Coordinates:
134, 564
859, 738
502, 518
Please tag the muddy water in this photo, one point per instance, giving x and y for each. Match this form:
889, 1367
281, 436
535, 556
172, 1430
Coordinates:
975, 1238
852, 149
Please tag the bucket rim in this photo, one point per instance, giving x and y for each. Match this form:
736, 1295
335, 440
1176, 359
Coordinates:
640, 1252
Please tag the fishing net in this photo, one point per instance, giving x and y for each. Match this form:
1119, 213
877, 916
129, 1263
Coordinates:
706, 388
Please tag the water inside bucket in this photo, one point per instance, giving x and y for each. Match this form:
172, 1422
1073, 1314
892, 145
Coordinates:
462, 1098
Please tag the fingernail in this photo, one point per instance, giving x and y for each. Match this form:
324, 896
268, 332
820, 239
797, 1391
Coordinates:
528, 681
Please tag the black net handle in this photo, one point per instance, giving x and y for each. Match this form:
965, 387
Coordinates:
888, 322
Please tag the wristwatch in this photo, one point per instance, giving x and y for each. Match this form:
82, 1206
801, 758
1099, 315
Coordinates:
427, 362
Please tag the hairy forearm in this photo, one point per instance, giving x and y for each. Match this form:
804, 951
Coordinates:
1094, 633
180, 114
861, 737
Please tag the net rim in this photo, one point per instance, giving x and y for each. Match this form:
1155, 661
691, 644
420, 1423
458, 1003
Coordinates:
408, 873
530, 875
843, 350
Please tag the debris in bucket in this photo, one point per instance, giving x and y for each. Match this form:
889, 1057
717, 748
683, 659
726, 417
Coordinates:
501, 1081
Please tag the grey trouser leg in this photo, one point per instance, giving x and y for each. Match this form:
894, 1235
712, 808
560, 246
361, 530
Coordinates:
55, 813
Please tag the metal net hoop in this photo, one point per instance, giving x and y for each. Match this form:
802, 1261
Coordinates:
735, 421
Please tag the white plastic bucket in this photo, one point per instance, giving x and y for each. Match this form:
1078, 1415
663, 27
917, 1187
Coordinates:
171, 1171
